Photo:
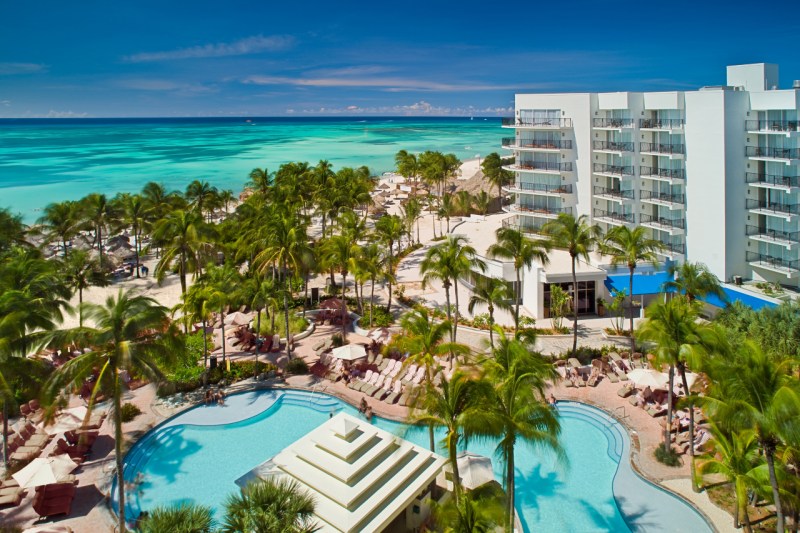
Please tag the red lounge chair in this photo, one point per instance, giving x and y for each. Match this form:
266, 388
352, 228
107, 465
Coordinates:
75, 452
46, 505
82, 438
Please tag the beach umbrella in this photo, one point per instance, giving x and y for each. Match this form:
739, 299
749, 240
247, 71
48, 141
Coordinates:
45, 471
349, 352
474, 470
384, 186
331, 303
645, 377
69, 419
237, 319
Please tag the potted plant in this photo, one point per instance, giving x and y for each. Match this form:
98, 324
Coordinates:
601, 306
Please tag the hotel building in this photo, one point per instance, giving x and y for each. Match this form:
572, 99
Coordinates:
714, 174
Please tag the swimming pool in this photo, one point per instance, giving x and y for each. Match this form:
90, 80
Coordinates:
198, 455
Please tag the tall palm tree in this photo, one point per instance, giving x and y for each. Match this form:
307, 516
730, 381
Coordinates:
99, 214
752, 391
412, 211
181, 518
133, 213
226, 198
512, 244
519, 377
129, 336
494, 293
630, 247
61, 221
186, 240
447, 208
481, 510
578, 238
341, 250
693, 280
495, 174
424, 340
389, 230
407, 166
481, 201
81, 271
202, 196
12, 230
222, 283
459, 406
261, 181
269, 506
197, 306
448, 261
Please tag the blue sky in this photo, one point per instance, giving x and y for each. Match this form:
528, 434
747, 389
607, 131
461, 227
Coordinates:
170, 58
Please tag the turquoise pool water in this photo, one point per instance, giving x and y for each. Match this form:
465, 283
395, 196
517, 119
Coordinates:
198, 455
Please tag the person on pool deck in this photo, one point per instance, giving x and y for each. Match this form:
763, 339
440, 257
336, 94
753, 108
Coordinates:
209, 397
362, 408
552, 401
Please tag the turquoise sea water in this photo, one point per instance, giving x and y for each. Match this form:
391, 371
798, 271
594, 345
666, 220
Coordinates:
49, 160
199, 455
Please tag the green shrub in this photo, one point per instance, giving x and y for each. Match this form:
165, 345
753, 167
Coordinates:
297, 324
297, 366
667, 456
481, 321
128, 412
380, 317
337, 340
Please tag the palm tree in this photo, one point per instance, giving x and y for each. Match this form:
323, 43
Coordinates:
424, 340
370, 261
495, 174
133, 213
735, 456
630, 247
260, 292
260, 181
61, 221
449, 261
407, 166
389, 230
182, 518
447, 208
226, 198
512, 244
519, 377
341, 250
81, 271
128, 337
481, 510
222, 282
578, 238
752, 391
493, 293
99, 214
197, 306
464, 200
693, 280
459, 406
202, 196
12, 230
270, 506
412, 211
481, 201
186, 240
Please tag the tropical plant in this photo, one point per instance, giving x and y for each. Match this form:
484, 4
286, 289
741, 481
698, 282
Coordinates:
341, 250
560, 304
197, 306
202, 196
389, 230
133, 213
411, 212
98, 213
80, 272
577, 237
271, 506
617, 308
181, 518
260, 181
495, 174
222, 283
61, 221
630, 247
481, 201
512, 244
12, 231
481, 510
447, 209
693, 280
494, 293
187, 242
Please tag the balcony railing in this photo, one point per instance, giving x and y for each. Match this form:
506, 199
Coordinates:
774, 262
538, 122
615, 193
613, 146
542, 165
672, 173
513, 222
663, 197
542, 187
776, 153
677, 223
674, 247
547, 210
545, 145
773, 179
613, 169
612, 122
661, 148
773, 235
661, 123
775, 207
772, 125
626, 218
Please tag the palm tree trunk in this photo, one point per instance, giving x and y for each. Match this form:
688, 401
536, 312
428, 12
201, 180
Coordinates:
64, 242
305, 292
682, 371
510, 489
286, 321
222, 326
100, 244
453, 452
517, 297
183, 273
344, 307
574, 309
668, 429
633, 341
389, 278
5, 433
447, 303
136, 250
371, 299
769, 454
80, 307
455, 315
433, 223
491, 326
258, 336
205, 345
448, 225
118, 452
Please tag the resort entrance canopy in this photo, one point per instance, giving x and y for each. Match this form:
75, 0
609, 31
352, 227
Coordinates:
361, 477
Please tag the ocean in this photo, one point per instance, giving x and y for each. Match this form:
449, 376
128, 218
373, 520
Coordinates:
47, 160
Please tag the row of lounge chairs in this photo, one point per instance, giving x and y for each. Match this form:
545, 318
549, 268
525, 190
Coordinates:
28, 442
391, 383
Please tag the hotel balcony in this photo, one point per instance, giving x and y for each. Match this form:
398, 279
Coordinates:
790, 267
661, 124
512, 143
779, 209
612, 124
537, 123
609, 217
784, 155
672, 249
784, 238
538, 188
545, 167
613, 171
520, 224
612, 146
672, 201
781, 127
673, 226
543, 211
615, 195
669, 175
772, 181
674, 150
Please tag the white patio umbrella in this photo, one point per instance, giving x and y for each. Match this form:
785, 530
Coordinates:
474, 470
44, 471
647, 378
237, 319
349, 352
68, 420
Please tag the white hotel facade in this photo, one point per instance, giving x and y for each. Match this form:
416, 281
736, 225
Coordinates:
714, 174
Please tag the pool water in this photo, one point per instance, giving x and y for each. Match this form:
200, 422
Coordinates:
198, 455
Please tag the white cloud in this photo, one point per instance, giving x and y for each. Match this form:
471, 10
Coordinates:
161, 85
10, 69
248, 45
5, 103
392, 84
65, 114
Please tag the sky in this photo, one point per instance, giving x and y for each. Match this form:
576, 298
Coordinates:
143, 58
